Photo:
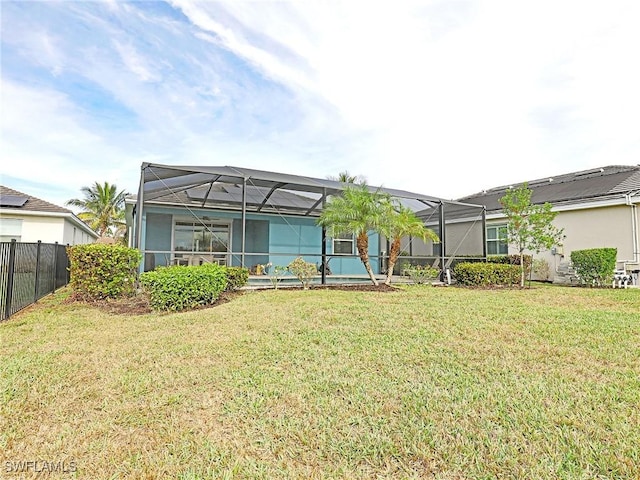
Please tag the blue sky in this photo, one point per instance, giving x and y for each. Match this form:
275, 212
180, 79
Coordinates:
445, 98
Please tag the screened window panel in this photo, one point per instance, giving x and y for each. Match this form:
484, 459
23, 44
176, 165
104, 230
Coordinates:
343, 245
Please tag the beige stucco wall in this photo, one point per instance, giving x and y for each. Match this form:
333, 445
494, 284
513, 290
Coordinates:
45, 229
600, 227
597, 228
74, 235
49, 229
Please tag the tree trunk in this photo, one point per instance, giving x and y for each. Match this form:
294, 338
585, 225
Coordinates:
394, 253
362, 242
521, 269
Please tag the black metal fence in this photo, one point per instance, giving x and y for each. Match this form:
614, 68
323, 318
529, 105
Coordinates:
28, 272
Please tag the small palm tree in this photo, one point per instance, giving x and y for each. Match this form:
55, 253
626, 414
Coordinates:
102, 208
356, 211
399, 222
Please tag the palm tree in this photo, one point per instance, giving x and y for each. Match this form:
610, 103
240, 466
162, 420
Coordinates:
356, 211
103, 208
399, 222
346, 177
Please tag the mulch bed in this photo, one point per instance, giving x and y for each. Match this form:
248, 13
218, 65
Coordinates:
139, 304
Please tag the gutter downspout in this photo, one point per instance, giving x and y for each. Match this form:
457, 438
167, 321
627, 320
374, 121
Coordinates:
244, 221
634, 227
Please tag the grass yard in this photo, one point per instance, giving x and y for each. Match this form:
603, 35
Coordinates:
425, 382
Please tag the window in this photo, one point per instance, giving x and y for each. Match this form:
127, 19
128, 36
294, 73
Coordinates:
195, 236
497, 240
10, 229
343, 245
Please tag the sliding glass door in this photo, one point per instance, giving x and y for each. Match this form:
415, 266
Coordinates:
201, 241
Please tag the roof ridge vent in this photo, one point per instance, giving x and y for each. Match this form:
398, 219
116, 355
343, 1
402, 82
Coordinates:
588, 172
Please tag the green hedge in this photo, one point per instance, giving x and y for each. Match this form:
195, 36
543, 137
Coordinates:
103, 271
481, 274
595, 266
237, 277
181, 287
513, 259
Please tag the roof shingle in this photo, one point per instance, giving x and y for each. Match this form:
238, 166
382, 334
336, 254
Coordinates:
613, 181
33, 204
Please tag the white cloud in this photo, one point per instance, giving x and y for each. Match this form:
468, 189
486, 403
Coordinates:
456, 100
44, 141
136, 63
441, 97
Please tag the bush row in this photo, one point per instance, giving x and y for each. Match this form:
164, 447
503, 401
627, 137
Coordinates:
101, 271
512, 259
486, 274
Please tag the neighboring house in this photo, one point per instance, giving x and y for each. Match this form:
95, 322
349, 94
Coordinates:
596, 208
238, 216
29, 219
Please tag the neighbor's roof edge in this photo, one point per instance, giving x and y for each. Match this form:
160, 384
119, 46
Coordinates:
557, 179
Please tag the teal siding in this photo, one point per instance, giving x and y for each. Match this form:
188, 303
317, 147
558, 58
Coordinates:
158, 237
278, 238
351, 265
291, 237
256, 241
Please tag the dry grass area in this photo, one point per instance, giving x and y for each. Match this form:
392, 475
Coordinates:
425, 382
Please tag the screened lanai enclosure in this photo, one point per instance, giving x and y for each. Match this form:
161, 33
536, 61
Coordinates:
189, 215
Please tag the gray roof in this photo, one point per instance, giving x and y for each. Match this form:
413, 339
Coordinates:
32, 204
613, 181
230, 196
266, 191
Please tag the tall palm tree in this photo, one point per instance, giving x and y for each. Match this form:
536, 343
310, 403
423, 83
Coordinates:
346, 177
399, 222
356, 211
102, 208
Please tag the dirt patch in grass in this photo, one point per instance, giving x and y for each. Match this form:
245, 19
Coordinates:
140, 304
136, 305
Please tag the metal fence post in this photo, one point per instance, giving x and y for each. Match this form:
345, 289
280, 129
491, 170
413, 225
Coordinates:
11, 268
55, 265
67, 265
35, 292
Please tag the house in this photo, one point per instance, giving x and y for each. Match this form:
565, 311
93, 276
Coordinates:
243, 217
596, 208
25, 218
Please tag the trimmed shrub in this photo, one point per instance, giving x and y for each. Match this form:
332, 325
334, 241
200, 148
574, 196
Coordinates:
304, 271
479, 274
237, 277
180, 287
595, 266
512, 259
101, 271
422, 273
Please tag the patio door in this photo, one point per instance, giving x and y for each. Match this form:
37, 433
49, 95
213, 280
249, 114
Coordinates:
204, 240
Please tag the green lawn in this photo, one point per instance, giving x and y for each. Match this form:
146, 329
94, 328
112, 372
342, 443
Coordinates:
425, 382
